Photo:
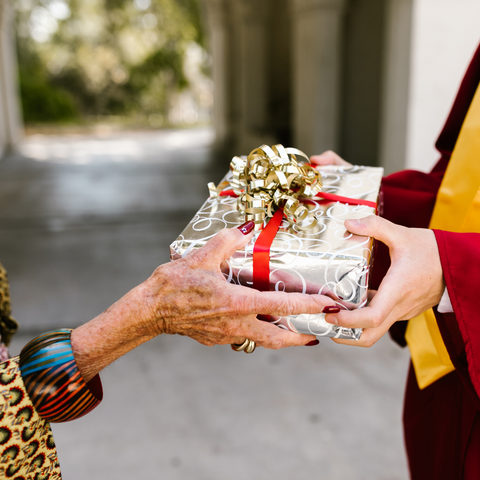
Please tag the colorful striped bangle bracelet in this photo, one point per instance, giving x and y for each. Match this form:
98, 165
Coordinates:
53, 381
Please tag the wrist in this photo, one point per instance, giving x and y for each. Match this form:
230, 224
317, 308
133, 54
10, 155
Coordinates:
122, 327
53, 380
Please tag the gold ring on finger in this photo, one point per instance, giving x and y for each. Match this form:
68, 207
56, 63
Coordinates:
250, 348
239, 347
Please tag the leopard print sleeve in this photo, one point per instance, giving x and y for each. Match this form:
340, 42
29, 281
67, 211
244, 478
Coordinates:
27, 448
8, 325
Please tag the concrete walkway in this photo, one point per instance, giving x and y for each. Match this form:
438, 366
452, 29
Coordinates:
85, 218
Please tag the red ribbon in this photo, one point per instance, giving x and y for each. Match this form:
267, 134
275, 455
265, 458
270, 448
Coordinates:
349, 201
228, 193
261, 253
261, 249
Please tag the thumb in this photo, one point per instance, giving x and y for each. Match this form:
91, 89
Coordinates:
224, 244
376, 227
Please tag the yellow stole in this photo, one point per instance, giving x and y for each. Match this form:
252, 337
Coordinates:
457, 209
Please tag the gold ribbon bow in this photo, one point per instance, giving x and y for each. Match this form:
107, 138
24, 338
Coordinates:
271, 178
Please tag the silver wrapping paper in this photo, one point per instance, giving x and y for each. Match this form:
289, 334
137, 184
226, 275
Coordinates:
327, 259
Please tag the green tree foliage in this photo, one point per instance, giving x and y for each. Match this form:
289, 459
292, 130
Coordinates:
80, 58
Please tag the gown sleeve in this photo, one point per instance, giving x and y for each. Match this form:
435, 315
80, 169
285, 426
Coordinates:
460, 257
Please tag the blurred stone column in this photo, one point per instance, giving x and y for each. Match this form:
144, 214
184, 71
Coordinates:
10, 123
396, 88
218, 13
239, 43
317, 50
252, 17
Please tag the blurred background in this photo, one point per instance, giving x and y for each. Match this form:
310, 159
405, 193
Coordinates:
139, 63
371, 79
114, 116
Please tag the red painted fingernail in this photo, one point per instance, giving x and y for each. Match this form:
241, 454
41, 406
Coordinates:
331, 309
312, 343
247, 227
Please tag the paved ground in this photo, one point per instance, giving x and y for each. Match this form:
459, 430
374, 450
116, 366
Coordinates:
85, 218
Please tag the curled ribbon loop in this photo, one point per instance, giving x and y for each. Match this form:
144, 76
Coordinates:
271, 178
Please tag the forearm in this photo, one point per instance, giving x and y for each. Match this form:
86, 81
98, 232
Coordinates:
119, 329
191, 297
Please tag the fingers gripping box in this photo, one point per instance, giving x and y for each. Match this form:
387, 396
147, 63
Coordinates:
324, 259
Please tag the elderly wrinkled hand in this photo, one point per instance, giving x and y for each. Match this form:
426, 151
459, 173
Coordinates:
191, 297
413, 284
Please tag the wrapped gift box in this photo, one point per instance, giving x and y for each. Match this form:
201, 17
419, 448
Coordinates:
326, 259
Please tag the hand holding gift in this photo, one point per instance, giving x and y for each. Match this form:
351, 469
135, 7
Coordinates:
197, 300
191, 297
413, 284
300, 244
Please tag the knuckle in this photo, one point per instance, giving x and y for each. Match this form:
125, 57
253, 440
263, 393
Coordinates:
160, 270
256, 304
225, 235
157, 271
376, 320
197, 257
240, 305
373, 220
277, 343
285, 303
369, 342
285, 308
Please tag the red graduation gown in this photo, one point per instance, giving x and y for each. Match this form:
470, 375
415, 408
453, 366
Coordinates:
442, 422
